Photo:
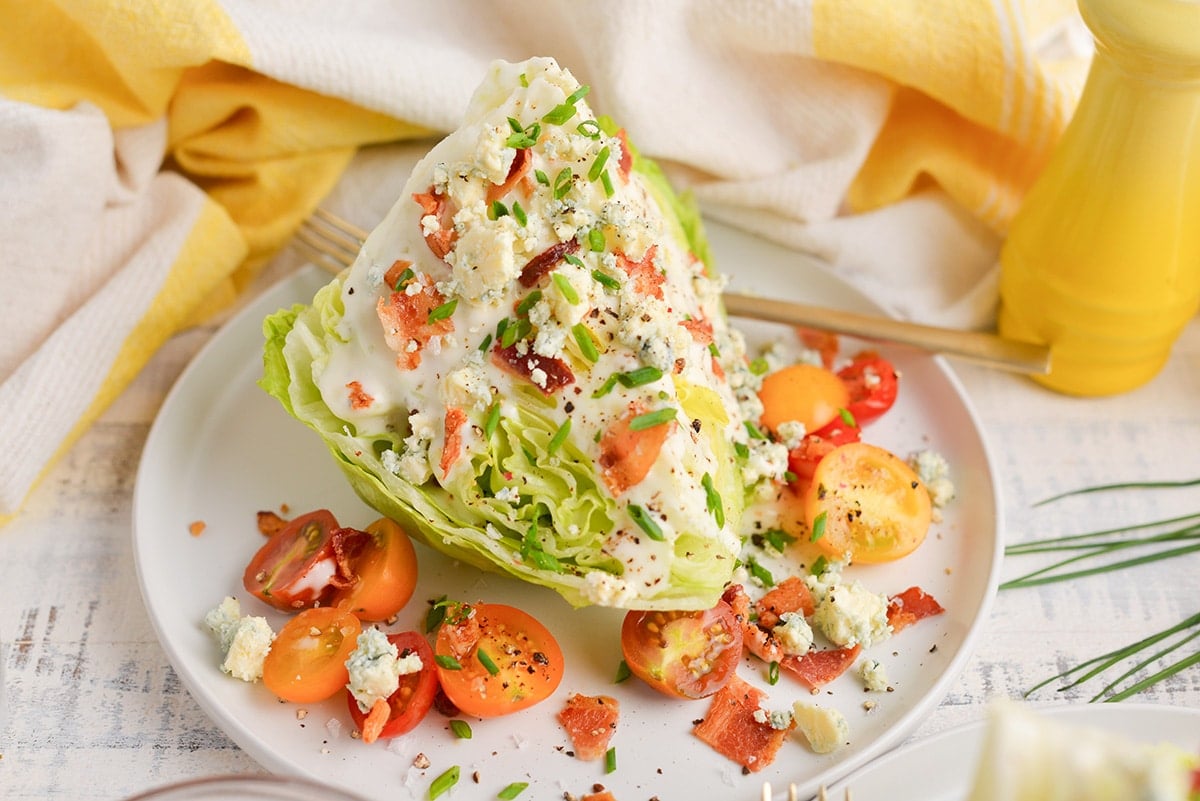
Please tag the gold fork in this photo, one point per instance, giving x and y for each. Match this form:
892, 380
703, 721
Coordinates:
333, 243
792, 793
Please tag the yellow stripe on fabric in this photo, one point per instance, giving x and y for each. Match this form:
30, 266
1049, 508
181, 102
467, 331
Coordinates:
125, 57
267, 151
209, 253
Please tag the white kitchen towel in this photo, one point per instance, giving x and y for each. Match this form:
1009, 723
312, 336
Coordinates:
156, 154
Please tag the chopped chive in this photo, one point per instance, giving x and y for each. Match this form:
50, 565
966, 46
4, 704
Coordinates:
606, 182
652, 419
578, 94
583, 338
596, 240
447, 661
497, 210
524, 79
442, 312
753, 431
847, 417
528, 302
560, 436
541, 177
818, 566
510, 335
761, 573
563, 182
502, 326
759, 366
645, 522
564, 286
486, 343
443, 783
571, 258
778, 539
461, 729
515, 125
610, 759
518, 214
623, 672
606, 387
512, 791
742, 451
773, 673
559, 114
486, 661
818, 528
435, 615
712, 499
590, 129
598, 164
639, 377
493, 420
606, 280
714, 350
404, 278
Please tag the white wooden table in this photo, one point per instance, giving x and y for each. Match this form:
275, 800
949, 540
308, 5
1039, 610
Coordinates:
94, 710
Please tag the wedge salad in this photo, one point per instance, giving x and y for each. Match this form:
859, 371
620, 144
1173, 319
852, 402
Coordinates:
528, 369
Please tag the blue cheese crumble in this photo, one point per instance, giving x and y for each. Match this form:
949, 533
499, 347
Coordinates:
375, 667
824, 728
244, 639
847, 613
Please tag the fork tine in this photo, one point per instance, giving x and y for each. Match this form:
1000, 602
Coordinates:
331, 241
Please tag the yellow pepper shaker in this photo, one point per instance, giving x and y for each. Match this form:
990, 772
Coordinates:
1102, 261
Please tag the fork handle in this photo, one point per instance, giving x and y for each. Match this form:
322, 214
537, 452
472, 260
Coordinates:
974, 346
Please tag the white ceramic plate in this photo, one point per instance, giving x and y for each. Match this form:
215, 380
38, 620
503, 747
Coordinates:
221, 449
941, 768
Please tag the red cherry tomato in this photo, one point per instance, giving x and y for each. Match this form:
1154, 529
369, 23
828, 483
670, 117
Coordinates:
414, 697
494, 659
688, 654
804, 458
383, 568
872, 383
301, 564
307, 660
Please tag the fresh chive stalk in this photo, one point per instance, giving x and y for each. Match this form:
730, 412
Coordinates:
645, 522
652, 419
448, 662
485, 660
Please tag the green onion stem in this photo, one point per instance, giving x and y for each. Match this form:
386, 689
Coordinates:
1157, 655
1037, 577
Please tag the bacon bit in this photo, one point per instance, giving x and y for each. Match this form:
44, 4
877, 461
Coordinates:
647, 280
375, 720
822, 342
817, 668
731, 730
701, 330
392, 276
518, 170
558, 373
908, 607
443, 240
544, 262
359, 399
405, 320
590, 722
717, 369
757, 640
347, 543
626, 456
270, 523
625, 164
197, 528
453, 441
789, 595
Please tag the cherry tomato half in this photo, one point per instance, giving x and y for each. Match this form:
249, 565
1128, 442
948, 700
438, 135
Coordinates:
804, 458
865, 502
872, 383
805, 393
414, 697
688, 654
383, 568
300, 564
307, 660
494, 659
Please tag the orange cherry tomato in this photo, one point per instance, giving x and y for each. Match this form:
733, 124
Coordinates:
494, 659
683, 654
414, 697
307, 660
864, 502
805, 393
384, 568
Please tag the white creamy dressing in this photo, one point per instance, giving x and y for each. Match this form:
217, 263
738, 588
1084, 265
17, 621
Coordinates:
632, 328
